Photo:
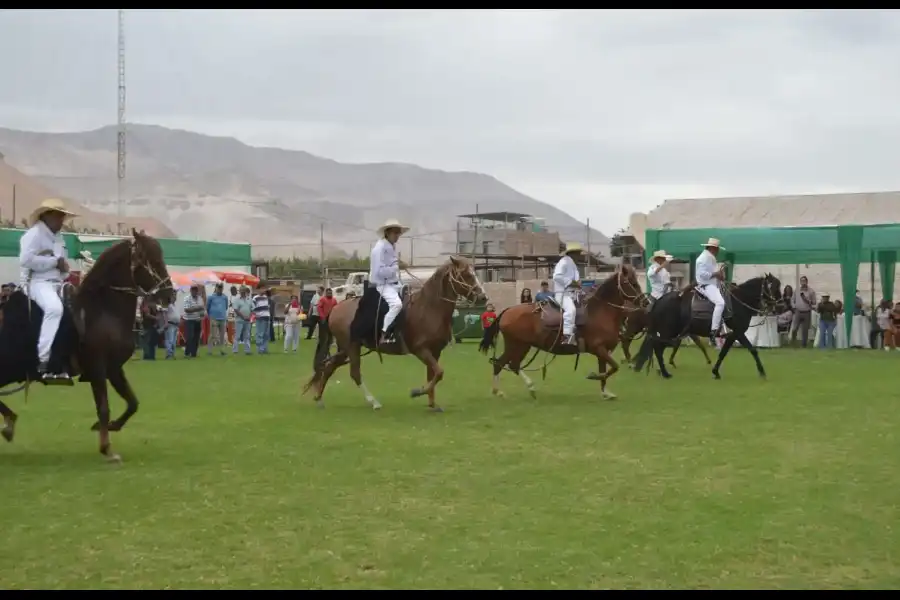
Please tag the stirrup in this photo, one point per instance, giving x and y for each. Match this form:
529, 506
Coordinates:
570, 340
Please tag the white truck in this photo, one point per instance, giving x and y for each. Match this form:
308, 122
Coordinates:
355, 281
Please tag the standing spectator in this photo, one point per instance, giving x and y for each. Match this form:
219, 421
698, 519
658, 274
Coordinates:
545, 293
243, 308
194, 310
271, 299
229, 325
325, 305
313, 319
487, 319
804, 302
828, 315
890, 336
525, 297
292, 324
172, 322
882, 324
263, 318
217, 309
150, 325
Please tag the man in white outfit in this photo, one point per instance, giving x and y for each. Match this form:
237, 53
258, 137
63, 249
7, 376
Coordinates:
42, 257
384, 273
566, 280
658, 275
709, 274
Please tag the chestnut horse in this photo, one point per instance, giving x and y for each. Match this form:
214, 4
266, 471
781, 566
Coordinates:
95, 337
599, 324
427, 318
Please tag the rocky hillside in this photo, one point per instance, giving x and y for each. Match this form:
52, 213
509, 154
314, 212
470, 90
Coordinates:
220, 188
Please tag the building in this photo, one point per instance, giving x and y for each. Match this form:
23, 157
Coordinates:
780, 211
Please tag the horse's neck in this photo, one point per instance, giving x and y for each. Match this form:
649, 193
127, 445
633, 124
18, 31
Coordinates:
436, 297
120, 305
750, 293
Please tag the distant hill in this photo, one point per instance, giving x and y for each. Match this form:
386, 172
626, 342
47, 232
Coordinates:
220, 188
29, 193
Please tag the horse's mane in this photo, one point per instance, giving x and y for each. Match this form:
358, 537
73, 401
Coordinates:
103, 270
433, 287
610, 286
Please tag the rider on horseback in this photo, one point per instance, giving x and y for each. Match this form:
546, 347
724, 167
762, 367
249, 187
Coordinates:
566, 280
658, 275
384, 273
709, 276
42, 256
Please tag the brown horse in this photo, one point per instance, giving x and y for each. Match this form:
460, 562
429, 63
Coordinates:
95, 336
636, 324
599, 323
427, 320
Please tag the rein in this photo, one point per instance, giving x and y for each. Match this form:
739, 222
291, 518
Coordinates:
162, 283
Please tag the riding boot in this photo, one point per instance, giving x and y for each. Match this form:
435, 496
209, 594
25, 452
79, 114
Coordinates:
53, 378
713, 335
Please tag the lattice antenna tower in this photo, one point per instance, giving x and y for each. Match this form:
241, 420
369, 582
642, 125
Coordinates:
120, 183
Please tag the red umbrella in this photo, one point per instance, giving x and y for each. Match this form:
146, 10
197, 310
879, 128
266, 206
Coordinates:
238, 278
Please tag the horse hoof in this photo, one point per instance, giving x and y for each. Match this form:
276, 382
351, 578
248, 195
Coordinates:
95, 426
115, 426
716, 376
8, 433
416, 393
593, 376
498, 393
114, 459
608, 395
436, 409
533, 394
320, 404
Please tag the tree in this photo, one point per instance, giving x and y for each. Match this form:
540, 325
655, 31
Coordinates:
618, 244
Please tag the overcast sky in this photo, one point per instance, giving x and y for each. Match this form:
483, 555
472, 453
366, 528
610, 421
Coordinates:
597, 112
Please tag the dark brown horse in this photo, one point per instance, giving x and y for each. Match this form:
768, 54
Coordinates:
95, 335
636, 324
598, 322
426, 330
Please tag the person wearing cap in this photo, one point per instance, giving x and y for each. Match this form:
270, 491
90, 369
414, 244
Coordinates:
828, 316
42, 258
709, 276
658, 275
566, 280
384, 272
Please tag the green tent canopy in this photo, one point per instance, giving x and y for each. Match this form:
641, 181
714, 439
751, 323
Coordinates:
844, 245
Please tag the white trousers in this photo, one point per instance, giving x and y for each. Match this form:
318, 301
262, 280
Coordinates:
391, 295
45, 295
711, 290
565, 300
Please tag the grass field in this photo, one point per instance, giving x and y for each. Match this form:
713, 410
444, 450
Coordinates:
231, 480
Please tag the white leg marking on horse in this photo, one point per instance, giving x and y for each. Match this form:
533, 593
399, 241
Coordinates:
528, 383
369, 397
496, 389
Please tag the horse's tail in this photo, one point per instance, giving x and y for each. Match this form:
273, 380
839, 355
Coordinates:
645, 352
490, 336
320, 356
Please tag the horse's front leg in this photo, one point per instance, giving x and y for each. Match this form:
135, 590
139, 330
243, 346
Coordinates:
729, 342
9, 422
434, 373
605, 359
101, 400
698, 341
742, 338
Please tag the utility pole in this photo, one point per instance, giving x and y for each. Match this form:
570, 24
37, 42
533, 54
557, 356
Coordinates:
475, 242
14, 206
457, 236
412, 256
587, 228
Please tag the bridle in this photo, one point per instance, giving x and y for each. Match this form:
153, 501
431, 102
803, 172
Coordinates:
456, 284
632, 303
138, 261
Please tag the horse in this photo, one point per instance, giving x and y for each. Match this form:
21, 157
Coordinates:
426, 328
95, 336
598, 322
685, 312
636, 324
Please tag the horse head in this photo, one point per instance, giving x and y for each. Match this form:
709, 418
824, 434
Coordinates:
148, 268
463, 281
770, 292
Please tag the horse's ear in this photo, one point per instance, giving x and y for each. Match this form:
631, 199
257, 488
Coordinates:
455, 260
135, 234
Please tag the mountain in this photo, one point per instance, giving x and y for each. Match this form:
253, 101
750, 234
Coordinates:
21, 194
219, 188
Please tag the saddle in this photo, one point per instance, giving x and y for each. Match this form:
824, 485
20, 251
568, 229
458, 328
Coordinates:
369, 317
551, 313
19, 335
702, 307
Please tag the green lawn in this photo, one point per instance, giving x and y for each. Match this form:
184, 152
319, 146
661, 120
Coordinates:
232, 480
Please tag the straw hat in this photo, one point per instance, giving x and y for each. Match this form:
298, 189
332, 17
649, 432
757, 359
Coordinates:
49, 205
392, 224
714, 243
662, 254
571, 247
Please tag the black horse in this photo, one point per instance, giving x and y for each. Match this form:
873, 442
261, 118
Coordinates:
687, 312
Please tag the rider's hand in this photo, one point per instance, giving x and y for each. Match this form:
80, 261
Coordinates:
62, 265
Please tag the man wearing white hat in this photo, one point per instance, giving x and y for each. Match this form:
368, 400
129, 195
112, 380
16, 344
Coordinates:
384, 272
566, 280
658, 275
42, 257
709, 274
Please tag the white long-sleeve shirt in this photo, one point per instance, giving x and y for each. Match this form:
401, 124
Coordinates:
659, 278
564, 274
706, 268
39, 251
384, 266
